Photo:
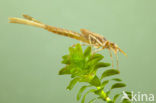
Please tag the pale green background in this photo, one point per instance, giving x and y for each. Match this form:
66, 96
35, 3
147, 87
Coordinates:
30, 57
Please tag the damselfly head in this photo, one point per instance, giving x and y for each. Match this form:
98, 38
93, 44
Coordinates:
113, 45
116, 48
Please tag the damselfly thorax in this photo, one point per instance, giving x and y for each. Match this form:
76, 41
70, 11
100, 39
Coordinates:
96, 40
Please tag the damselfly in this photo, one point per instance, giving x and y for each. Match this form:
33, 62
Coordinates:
96, 40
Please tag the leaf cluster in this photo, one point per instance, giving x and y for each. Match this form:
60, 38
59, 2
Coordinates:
82, 67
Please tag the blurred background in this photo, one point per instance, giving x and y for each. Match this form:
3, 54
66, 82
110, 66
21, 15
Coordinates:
30, 57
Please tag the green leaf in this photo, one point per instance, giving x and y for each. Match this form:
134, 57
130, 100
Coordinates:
95, 81
91, 63
87, 52
92, 100
126, 101
115, 97
118, 85
109, 72
72, 83
117, 79
129, 94
71, 50
84, 97
65, 56
64, 70
110, 102
75, 71
66, 59
79, 94
101, 64
104, 83
79, 48
98, 91
97, 56
108, 92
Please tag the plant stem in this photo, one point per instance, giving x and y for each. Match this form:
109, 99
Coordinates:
105, 97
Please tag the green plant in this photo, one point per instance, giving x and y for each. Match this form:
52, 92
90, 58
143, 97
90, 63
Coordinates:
83, 67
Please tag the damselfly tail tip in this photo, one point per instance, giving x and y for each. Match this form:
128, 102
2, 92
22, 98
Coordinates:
16, 20
12, 20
